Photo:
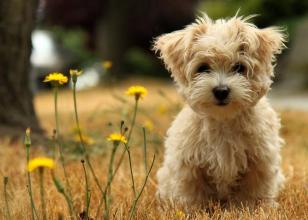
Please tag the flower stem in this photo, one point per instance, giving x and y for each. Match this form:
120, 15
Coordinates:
107, 198
145, 150
108, 185
133, 121
134, 205
84, 150
61, 190
58, 140
128, 148
87, 191
131, 169
7, 208
33, 209
42, 193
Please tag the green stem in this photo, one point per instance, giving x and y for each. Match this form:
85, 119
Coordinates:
84, 150
107, 199
54, 142
104, 193
42, 193
58, 139
133, 121
131, 169
145, 150
128, 148
133, 208
7, 208
61, 190
87, 202
33, 209
109, 184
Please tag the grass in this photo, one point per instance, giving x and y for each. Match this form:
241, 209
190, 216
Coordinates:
101, 111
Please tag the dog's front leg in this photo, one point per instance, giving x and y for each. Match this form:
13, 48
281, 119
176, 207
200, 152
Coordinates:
260, 185
181, 184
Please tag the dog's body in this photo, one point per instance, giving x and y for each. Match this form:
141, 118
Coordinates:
224, 144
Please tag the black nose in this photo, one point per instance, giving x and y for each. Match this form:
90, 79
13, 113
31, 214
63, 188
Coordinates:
221, 92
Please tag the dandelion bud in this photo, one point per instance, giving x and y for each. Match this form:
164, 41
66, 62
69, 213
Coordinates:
28, 131
27, 140
74, 74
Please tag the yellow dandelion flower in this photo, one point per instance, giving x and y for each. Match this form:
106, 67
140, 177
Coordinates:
148, 124
86, 139
107, 64
137, 91
40, 162
116, 137
56, 78
75, 72
180, 214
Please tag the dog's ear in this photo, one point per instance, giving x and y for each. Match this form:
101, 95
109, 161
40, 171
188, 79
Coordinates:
174, 48
271, 42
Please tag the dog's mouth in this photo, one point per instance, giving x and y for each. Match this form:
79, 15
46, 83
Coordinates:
222, 103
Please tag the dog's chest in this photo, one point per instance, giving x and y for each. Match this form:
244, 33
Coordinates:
225, 157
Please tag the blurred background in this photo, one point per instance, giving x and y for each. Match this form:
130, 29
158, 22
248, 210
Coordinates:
110, 40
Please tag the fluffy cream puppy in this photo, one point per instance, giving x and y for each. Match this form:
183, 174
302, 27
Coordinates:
224, 145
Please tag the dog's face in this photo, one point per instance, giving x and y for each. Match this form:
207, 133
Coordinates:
221, 67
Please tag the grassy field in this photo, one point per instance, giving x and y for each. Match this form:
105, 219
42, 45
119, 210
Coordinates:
101, 111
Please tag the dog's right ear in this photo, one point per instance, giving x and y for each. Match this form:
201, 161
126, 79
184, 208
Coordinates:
172, 50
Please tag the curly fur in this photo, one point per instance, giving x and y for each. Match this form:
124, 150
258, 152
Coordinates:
229, 152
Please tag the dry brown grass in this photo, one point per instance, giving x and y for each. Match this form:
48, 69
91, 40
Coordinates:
98, 107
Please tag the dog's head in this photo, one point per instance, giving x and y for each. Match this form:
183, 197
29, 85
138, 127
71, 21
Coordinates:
223, 66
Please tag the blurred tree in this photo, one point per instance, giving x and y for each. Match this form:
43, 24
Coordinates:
270, 11
16, 103
116, 26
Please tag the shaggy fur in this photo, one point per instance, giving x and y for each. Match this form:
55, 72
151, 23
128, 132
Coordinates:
223, 150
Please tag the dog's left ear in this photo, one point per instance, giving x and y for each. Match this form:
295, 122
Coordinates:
271, 41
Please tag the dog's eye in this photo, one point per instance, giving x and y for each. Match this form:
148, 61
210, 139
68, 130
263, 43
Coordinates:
204, 68
239, 68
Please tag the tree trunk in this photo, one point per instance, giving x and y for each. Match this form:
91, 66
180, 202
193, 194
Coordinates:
17, 20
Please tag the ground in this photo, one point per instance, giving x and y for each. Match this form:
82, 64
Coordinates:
101, 111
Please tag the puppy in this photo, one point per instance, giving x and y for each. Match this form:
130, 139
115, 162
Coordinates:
224, 145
